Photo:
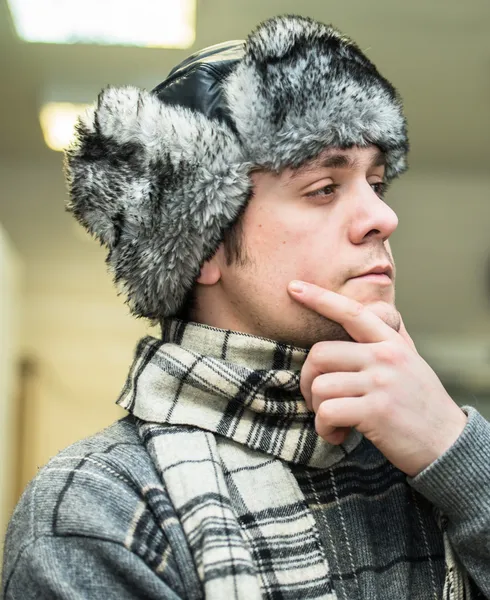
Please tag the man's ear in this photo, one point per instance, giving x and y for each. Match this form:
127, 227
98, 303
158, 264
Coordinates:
210, 271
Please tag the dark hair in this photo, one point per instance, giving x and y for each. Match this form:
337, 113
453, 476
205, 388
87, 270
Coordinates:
233, 242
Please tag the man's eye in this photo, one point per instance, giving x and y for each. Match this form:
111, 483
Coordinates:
380, 188
326, 190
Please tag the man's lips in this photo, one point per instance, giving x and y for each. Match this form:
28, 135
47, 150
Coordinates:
382, 269
374, 278
377, 274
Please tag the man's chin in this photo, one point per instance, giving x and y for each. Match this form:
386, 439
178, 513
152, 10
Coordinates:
386, 312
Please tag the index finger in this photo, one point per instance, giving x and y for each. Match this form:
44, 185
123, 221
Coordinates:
359, 322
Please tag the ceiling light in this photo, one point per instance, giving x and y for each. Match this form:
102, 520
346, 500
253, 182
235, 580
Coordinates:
156, 23
58, 121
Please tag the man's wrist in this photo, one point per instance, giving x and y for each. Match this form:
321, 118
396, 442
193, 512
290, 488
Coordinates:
457, 481
453, 428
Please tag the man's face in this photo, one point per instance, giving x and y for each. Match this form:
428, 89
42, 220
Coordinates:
325, 223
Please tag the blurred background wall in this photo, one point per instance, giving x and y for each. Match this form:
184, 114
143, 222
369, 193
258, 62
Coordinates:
69, 357
10, 280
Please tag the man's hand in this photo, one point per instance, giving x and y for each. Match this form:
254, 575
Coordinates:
378, 384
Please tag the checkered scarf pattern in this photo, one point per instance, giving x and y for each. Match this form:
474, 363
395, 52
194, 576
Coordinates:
217, 409
235, 385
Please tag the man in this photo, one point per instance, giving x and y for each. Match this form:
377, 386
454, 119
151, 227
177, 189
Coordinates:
285, 439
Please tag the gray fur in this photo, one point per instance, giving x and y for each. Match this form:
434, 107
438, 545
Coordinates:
158, 184
289, 104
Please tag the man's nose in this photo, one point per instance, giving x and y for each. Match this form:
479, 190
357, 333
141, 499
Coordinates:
373, 217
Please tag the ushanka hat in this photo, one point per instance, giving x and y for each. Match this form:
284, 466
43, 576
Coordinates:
159, 176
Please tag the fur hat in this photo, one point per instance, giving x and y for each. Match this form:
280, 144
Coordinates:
159, 176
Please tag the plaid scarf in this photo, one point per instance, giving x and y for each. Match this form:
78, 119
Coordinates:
217, 410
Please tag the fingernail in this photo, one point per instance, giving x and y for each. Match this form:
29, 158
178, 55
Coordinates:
297, 286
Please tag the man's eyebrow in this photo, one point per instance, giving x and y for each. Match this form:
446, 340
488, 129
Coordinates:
379, 159
338, 161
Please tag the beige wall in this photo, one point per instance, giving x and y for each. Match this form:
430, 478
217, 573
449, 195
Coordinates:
442, 248
10, 280
82, 346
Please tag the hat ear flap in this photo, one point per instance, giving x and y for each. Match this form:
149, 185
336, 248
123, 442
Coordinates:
92, 166
156, 185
